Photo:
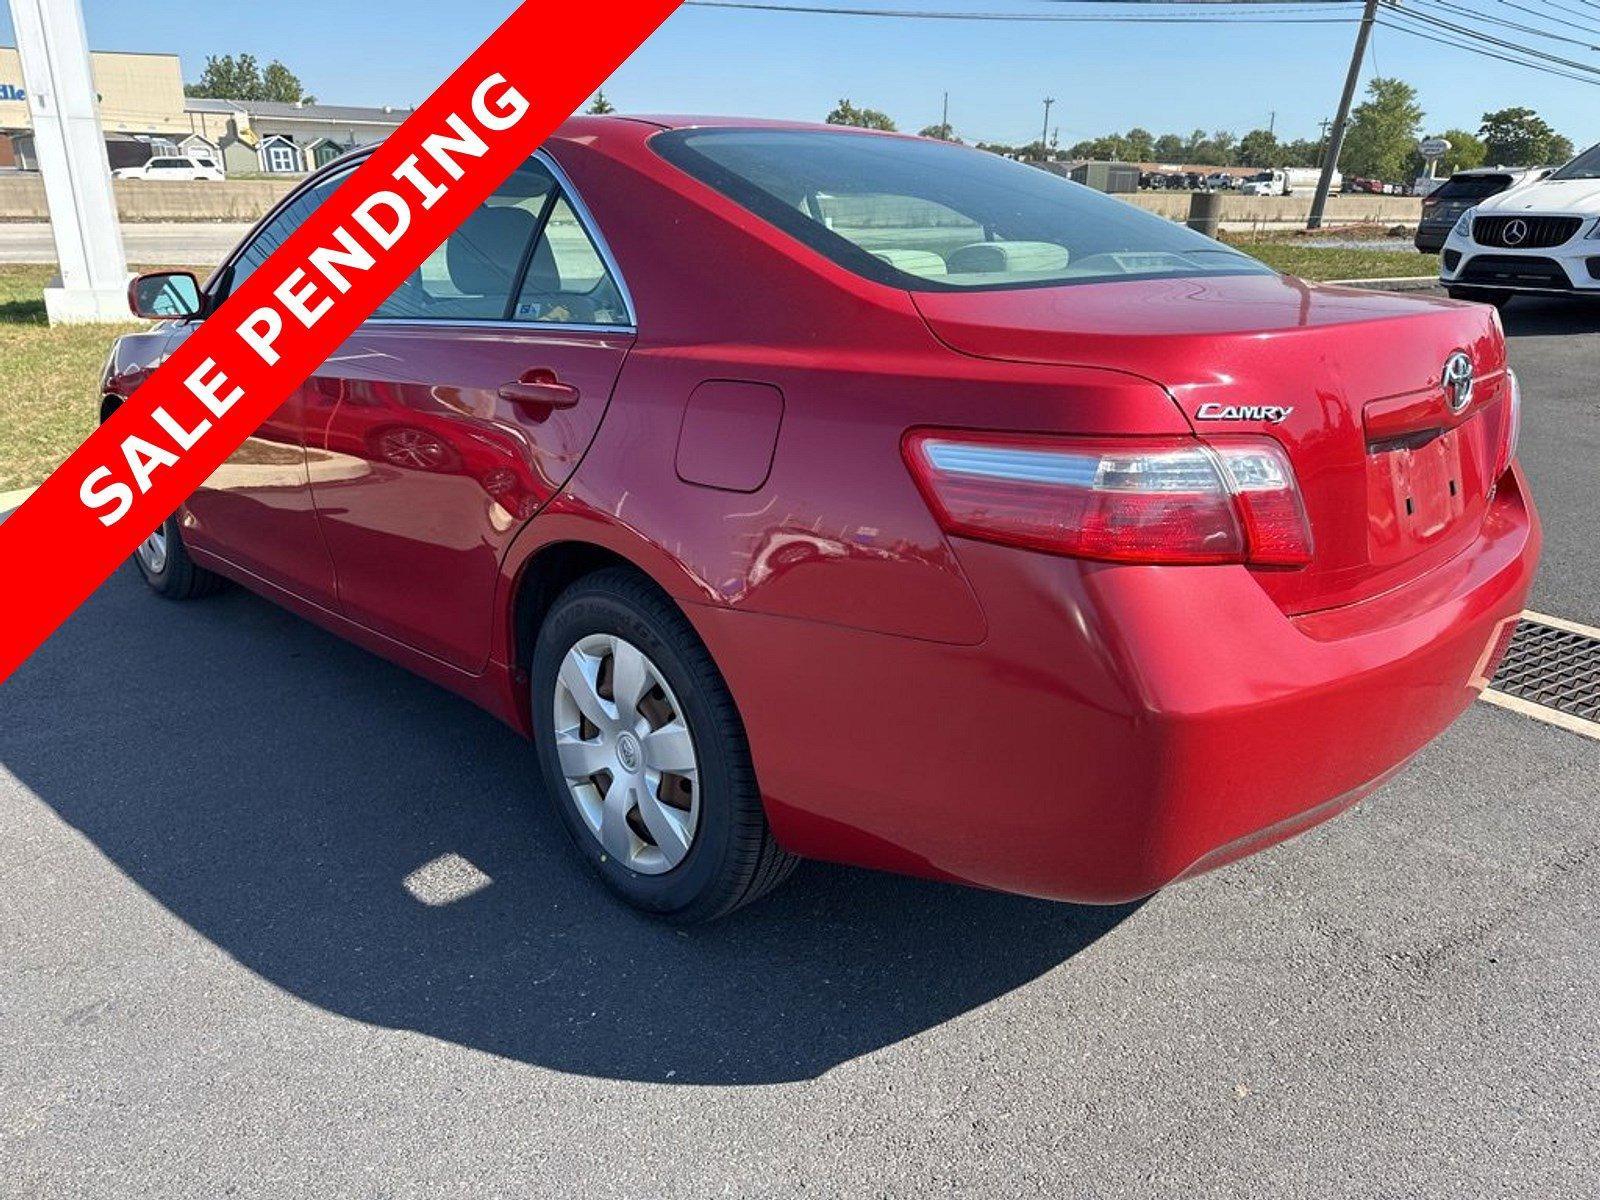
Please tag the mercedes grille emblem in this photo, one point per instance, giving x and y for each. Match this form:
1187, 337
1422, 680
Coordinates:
1516, 232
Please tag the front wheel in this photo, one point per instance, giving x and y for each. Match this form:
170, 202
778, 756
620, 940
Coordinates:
644, 754
166, 566
1498, 297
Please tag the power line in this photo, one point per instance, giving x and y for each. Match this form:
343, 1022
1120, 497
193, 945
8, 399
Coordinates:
1279, 16
1489, 39
1387, 21
1446, 6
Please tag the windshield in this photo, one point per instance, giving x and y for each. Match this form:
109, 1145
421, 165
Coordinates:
1585, 166
1472, 187
928, 216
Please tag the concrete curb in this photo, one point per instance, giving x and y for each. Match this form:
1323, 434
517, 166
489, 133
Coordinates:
13, 500
1412, 280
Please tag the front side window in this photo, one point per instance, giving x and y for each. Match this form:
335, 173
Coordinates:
1585, 166
928, 216
277, 230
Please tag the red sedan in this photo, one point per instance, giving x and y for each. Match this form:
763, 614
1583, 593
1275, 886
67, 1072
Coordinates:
813, 492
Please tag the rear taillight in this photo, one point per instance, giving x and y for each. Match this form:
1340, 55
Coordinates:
1143, 500
1508, 445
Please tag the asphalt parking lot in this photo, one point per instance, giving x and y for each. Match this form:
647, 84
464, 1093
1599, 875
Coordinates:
280, 920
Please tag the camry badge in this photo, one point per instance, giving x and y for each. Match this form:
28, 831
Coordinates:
1516, 232
1273, 414
1458, 381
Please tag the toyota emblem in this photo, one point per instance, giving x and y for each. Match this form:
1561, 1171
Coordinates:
1516, 232
1458, 381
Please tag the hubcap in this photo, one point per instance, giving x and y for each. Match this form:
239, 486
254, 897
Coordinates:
152, 551
626, 754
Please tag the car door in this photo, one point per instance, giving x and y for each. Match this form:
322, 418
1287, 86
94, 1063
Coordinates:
454, 414
256, 510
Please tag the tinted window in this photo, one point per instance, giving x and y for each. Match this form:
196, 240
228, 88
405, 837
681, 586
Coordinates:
277, 231
927, 215
168, 163
567, 280
1585, 166
471, 276
1471, 187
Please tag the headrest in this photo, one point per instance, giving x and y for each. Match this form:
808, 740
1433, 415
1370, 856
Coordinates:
913, 262
483, 254
1004, 258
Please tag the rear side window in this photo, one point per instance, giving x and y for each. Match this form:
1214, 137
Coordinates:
567, 281
929, 216
472, 275
168, 164
1472, 187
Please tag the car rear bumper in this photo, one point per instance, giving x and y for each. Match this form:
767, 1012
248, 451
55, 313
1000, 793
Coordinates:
1121, 727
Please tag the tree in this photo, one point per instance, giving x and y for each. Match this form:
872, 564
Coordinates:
846, 113
1139, 145
1519, 137
1259, 148
942, 133
1382, 139
229, 78
600, 106
1169, 148
1465, 152
1561, 149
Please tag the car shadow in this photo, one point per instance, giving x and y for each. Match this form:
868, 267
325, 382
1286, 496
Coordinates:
1535, 316
377, 847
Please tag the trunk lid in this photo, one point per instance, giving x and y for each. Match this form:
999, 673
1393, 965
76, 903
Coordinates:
1395, 483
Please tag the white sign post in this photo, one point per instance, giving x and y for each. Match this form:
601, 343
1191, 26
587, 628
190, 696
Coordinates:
93, 279
1432, 150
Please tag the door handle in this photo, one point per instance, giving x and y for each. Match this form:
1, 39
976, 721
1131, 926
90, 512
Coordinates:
539, 388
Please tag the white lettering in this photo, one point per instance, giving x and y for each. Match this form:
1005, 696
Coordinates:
119, 494
509, 107
296, 298
384, 236
261, 329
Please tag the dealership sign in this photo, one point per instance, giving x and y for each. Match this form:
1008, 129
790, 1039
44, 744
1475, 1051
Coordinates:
298, 307
1434, 148
10, 91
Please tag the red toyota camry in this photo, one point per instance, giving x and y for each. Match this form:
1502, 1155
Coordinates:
813, 492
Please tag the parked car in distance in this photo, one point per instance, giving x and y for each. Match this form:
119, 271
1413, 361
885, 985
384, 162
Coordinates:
1153, 180
182, 168
1443, 206
905, 507
1539, 236
1219, 181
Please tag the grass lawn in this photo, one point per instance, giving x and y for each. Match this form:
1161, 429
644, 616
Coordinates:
1310, 261
48, 379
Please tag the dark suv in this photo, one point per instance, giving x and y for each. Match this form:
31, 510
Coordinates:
1443, 207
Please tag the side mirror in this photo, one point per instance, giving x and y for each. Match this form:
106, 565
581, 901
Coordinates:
165, 296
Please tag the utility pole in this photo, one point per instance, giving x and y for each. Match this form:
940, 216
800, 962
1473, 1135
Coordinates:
1330, 160
944, 121
1272, 122
93, 279
1044, 135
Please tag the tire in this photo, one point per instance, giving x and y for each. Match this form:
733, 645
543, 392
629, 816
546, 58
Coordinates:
718, 852
166, 566
1498, 297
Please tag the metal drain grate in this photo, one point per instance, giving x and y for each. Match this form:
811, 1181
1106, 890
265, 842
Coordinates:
1554, 668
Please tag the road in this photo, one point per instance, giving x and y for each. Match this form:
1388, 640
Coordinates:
166, 243
280, 920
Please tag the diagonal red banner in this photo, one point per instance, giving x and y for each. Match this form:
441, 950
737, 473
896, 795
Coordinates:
299, 306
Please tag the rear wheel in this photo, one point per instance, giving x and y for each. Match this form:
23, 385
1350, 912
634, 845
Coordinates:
644, 754
166, 566
1498, 297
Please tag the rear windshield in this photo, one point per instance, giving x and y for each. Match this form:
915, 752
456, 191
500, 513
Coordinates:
1471, 187
1585, 166
929, 216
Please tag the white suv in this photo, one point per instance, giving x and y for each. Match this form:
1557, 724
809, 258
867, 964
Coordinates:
1538, 238
184, 168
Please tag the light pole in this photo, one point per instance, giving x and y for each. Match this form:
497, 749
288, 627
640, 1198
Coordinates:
1044, 137
1330, 161
93, 279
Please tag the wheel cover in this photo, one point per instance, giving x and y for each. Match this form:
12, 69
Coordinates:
152, 551
626, 754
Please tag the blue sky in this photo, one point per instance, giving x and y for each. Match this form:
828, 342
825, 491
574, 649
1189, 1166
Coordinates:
1104, 77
